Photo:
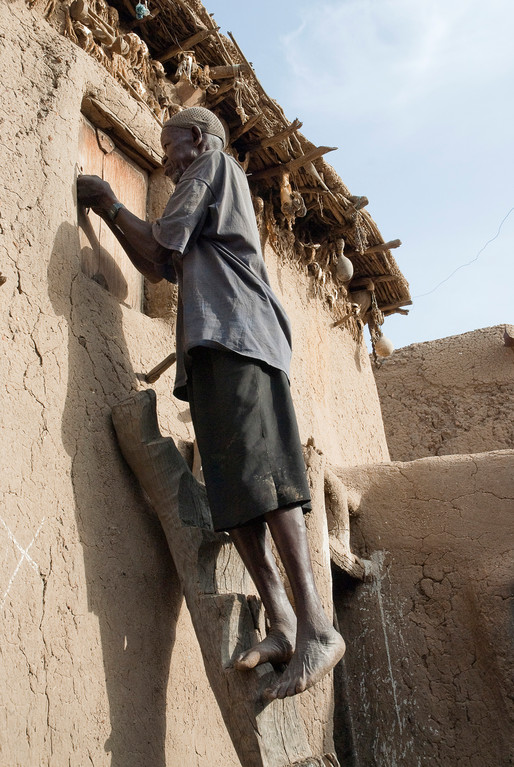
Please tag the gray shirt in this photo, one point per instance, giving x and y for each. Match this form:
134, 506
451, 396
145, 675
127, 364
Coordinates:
225, 299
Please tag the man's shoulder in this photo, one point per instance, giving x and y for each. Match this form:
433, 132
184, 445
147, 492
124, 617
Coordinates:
209, 164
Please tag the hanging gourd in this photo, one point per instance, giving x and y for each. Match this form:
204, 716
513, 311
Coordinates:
344, 267
384, 347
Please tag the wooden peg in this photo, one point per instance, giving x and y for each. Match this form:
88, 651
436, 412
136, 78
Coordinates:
292, 165
277, 138
156, 372
358, 202
382, 247
240, 130
397, 305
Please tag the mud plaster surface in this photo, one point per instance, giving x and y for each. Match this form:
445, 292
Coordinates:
453, 395
428, 669
98, 661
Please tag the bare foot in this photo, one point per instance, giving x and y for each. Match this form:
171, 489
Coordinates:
315, 655
277, 647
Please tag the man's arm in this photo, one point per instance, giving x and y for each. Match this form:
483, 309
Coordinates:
134, 235
151, 270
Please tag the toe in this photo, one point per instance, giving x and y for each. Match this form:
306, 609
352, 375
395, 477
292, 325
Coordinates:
290, 690
284, 691
246, 661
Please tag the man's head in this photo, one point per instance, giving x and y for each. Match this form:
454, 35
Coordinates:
188, 134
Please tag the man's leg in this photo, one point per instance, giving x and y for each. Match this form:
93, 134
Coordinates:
253, 545
318, 645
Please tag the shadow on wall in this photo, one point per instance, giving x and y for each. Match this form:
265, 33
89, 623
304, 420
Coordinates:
131, 582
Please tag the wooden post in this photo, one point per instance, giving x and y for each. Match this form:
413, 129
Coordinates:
215, 583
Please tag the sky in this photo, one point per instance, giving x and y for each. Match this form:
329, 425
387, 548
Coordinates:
418, 96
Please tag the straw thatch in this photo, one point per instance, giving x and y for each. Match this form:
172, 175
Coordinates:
303, 205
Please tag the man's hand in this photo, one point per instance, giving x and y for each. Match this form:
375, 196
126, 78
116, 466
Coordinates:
94, 192
134, 235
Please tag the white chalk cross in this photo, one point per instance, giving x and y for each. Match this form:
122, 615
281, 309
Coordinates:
24, 557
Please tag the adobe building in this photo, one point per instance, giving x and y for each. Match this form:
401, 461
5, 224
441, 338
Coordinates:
449, 396
438, 523
101, 661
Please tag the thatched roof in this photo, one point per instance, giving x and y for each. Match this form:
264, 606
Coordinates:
303, 200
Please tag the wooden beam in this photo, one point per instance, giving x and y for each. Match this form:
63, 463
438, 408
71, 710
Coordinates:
311, 170
130, 7
93, 108
186, 45
238, 49
312, 190
338, 520
292, 165
382, 247
361, 282
359, 202
277, 138
184, 6
356, 204
240, 130
220, 94
142, 22
396, 311
229, 71
310, 156
345, 560
389, 307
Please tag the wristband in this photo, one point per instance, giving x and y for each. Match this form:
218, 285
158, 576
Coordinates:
114, 210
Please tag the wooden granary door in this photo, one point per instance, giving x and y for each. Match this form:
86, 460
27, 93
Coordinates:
102, 257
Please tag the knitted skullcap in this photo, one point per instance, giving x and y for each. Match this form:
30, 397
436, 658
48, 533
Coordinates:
202, 118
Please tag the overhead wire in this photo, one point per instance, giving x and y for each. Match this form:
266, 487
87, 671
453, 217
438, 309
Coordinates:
422, 295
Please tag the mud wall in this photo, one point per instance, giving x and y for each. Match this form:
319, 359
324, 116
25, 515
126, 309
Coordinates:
99, 664
449, 396
427, 675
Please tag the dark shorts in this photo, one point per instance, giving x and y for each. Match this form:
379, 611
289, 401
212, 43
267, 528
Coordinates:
247, 435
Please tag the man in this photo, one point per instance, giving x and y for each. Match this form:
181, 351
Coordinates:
233, 355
